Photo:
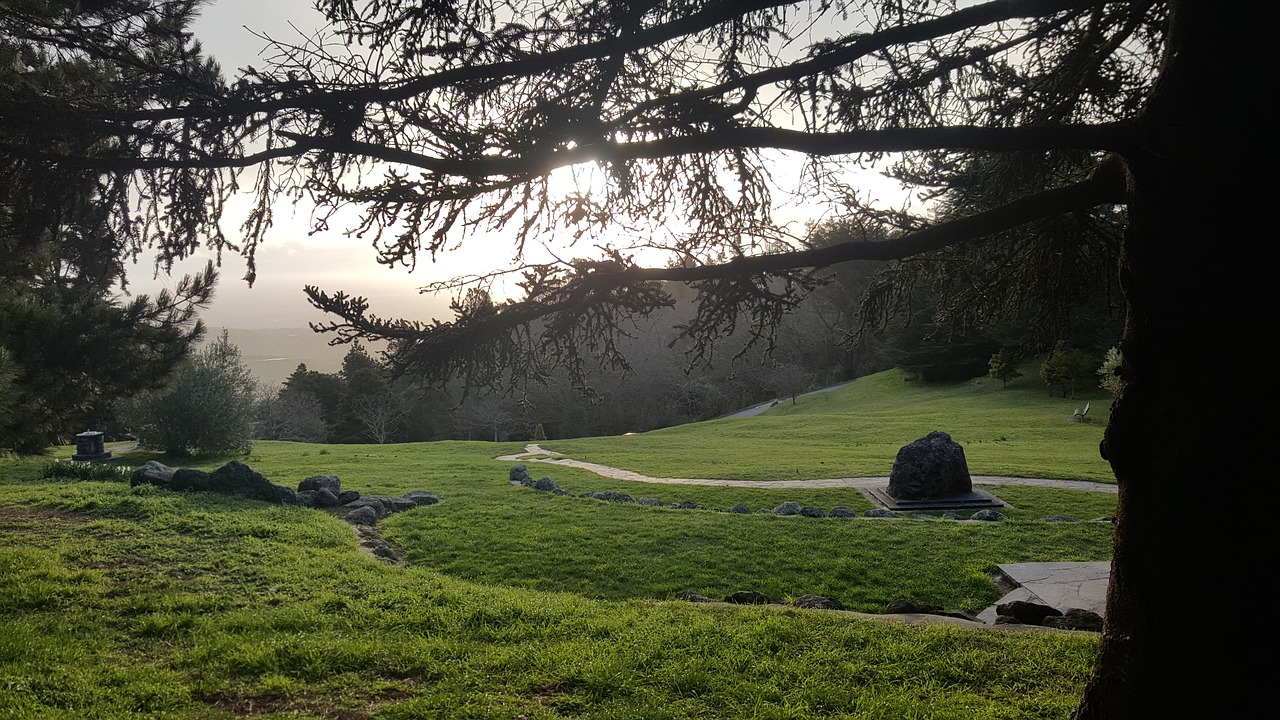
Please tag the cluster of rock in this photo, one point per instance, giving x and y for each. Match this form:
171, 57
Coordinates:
752, 597
1021, 612
1017, 612
318, 491
519, 475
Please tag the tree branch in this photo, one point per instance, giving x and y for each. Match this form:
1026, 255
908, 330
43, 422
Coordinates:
1107, 184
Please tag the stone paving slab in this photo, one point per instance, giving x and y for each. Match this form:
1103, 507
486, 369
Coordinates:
1060, 585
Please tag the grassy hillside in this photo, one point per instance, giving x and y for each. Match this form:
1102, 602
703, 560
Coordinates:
138, 602
856, 431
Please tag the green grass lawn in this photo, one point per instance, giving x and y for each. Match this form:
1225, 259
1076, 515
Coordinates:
138, 602
856, 431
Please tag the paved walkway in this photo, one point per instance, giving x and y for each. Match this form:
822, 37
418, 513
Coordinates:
534, 453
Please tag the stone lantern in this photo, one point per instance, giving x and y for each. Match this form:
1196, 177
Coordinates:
90, 447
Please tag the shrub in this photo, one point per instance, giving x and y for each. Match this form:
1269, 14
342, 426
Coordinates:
1110, 381
207, 407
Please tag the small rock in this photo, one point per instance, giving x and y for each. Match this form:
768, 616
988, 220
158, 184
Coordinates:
519, 473
347, 496
306, 498
371, 502
812, 512
988, 516
394, 504
740, 508
1027, 613
748, 597
327, 499
789, 507
422, 497
948, 515
651, 502
691, 596
1075, 619
363, 515
922, 516
879, 513
545, 484
609, 495
840, 511
818, 602
687, 505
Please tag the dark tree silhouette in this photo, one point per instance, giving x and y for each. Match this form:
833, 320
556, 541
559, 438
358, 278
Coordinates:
1047, 117
68, 230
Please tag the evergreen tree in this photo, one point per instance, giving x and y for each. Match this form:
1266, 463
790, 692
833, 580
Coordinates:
1003, 366
76, 342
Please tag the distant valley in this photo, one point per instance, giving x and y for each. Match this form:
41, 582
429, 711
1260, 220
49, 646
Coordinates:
273, 353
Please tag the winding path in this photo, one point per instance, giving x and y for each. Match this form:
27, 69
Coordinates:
534, 453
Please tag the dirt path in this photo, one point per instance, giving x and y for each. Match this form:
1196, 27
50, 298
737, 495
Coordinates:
534, 453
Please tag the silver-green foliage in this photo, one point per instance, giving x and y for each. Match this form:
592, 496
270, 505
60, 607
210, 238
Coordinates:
207, 406
1110, 381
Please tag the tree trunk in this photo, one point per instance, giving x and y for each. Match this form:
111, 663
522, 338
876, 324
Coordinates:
1175, 644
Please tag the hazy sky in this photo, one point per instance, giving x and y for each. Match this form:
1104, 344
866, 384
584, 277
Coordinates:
291, 258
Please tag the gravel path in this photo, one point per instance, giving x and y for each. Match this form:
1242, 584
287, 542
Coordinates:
532, 452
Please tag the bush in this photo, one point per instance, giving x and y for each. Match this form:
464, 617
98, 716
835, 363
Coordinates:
1107, 371
207, 407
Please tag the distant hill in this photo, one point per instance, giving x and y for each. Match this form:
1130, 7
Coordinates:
273, 353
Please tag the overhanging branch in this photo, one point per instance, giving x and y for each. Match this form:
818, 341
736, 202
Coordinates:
1106, 185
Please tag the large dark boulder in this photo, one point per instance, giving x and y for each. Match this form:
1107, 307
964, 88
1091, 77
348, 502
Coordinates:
1027, 613
189, 479
931, 467
236, 478
152, 473
321, 482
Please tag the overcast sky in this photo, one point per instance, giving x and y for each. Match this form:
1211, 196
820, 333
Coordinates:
291, 258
